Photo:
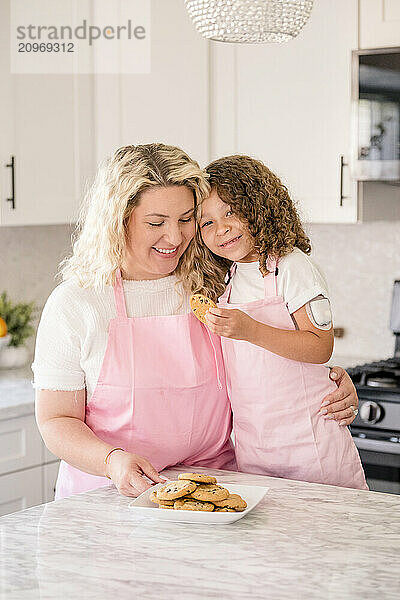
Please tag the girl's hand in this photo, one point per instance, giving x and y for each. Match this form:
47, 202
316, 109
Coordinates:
126, 471
230, 323
337, 404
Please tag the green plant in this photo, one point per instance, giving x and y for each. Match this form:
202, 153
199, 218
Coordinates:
18, 318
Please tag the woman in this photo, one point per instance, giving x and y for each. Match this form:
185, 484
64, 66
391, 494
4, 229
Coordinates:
128, 381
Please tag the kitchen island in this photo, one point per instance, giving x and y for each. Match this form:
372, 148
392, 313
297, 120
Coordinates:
303, 541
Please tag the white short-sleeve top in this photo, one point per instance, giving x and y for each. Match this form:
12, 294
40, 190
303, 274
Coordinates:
299, 280
73, 330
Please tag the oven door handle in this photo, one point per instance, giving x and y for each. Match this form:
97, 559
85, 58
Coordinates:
377, 445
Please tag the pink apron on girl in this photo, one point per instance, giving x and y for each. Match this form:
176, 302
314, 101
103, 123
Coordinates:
160, 394
275, 403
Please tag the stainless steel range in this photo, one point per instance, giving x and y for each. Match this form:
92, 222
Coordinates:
376, 429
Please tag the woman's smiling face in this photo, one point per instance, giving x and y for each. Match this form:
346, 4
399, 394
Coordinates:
223, 233
160, 229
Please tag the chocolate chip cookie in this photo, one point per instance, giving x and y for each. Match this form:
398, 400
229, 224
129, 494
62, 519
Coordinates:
184, 504
209, 492
153, 498
232, 501
175, 489
198, 477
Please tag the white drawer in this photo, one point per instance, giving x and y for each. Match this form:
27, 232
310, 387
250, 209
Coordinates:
21, 444
20, 490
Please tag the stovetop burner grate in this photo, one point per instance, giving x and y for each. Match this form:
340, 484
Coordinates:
380, 375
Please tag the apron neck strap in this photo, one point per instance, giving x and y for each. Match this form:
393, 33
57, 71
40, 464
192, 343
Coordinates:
270, 287
119, 296
228, 281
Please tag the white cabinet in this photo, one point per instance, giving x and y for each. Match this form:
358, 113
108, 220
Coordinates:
46, 124
293, 109
20, 444
30, 487
223, 96
170, 104
59, 127
379, 23
28, 471
20, 490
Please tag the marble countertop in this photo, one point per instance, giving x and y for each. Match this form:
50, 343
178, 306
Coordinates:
304, 541
17, 396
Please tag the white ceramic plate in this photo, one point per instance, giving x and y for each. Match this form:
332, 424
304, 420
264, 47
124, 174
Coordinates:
143, 506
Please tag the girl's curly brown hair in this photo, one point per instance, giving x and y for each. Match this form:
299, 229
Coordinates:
261, 201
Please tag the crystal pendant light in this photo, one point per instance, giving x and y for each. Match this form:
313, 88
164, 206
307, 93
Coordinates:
249, 21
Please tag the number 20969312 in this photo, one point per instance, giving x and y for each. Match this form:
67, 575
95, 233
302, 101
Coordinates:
46, 47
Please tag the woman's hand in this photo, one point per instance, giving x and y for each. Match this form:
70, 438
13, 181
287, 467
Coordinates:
126, 471
337, 404
230, 323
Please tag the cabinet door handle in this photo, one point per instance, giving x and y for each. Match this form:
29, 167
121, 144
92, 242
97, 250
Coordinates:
342, 164
12, 167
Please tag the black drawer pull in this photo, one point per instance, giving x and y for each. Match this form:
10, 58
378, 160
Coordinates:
342, 164
12, 167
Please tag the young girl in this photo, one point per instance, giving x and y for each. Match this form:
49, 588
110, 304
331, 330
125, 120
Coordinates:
275, 324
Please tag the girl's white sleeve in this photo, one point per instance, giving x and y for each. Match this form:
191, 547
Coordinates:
56, 364
300, 280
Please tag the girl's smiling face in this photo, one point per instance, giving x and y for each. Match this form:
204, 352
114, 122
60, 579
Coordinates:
223, 233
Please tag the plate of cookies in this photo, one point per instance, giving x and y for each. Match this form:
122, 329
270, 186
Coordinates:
198, 498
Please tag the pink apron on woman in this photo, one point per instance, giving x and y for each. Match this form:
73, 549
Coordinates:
160, 394
275, 403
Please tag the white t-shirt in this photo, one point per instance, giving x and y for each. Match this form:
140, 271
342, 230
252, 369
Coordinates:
72, 335
299, 280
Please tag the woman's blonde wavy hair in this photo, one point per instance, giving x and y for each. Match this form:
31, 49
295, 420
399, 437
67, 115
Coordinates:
262, 202
99, 240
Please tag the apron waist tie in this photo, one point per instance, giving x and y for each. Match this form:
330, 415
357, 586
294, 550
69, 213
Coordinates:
215, 358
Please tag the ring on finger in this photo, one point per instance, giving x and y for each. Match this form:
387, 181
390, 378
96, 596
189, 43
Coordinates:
354, 409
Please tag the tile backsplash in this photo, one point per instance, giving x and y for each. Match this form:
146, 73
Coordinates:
30, 258
360, 262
